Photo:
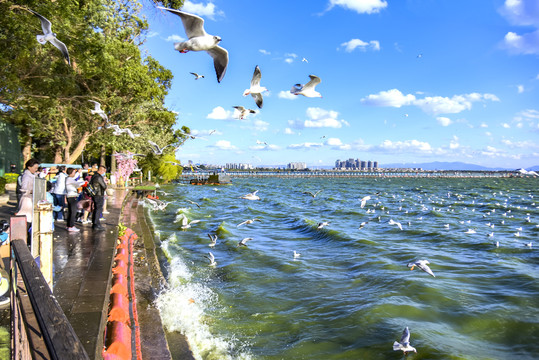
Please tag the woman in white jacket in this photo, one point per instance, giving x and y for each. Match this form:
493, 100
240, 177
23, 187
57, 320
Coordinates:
72, 194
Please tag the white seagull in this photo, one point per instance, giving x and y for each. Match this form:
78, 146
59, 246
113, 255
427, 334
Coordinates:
199, 40
404, 344
211, 258
364, 201
296, 254
213, 240
251, 196
307, 90
97, 110
322, 224
192, 202
197, 76
243, 242
247, 222
156, 149
256, 90
49, 36
313, 195
243, 112
392, 222
422, 264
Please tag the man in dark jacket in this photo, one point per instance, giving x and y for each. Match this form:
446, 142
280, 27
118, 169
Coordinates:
99, 185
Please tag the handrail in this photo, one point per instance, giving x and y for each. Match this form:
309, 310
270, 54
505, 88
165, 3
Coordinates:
58, 334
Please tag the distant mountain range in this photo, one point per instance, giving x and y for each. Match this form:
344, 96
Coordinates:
438, 165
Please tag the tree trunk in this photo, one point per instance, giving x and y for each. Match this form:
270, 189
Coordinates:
103, 161
79, 148
58, 155
27, 149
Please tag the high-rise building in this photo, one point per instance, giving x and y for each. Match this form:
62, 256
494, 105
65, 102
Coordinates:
297, 165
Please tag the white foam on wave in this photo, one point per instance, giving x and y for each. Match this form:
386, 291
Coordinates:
183, 307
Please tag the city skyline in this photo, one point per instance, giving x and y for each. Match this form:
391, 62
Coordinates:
414, 81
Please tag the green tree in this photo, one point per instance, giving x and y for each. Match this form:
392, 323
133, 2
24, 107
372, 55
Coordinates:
48, 99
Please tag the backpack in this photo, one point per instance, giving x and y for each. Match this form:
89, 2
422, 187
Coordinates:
89, 190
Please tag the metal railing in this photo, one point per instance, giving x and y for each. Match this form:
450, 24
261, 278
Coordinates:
40, 329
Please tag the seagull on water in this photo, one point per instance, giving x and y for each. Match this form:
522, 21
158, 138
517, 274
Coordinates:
199, 40
307, 90
243, 242
97, 110
197, 76
211, 258
251, 196
470, 231
256, 90
49, 36
322, 224
243, 112
296, 254
362, 225
313, 195
185, 223
213, 240
422, 264
247, 222
404, 344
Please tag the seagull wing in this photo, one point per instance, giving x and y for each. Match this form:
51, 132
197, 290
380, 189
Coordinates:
239, 108
45, 23
193, 24
61, 46
257, 75
405, 338
97, 106
220, 61
423, 266
315, 80
258, 99
242, 223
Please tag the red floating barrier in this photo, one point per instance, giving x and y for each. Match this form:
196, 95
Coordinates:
117, 341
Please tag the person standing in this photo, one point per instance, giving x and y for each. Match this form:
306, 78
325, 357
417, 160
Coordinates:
59, 193
72, 194
26, 205
99, 185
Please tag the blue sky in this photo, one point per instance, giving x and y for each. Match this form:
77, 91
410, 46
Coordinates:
402, 81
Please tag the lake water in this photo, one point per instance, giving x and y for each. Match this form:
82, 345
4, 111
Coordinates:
350, 294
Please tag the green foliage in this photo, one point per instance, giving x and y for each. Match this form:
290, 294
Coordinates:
168, 171
48, 99
2, 185
11, 177
121, 229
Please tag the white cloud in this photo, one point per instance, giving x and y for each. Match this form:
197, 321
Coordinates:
219, 113
444, 121
224, 145
522, 13
205, 132
289, 60
391, 97
260, 125
406, 146
287, 95
289, 131
537, 77
291, 55
360, 6
319, 118
454, 143
269, 147
434, 105
506, 126
483, 125
306, 145
152, 34
337, 144
353, 44
175, 38
526, 144
264, 52
201, 9
520, 89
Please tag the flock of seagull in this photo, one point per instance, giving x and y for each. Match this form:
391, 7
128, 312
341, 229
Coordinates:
422, 264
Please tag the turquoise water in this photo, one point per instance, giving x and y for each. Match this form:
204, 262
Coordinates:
349, 294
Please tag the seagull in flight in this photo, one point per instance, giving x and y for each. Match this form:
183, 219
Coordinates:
197, 76
192, 202
258, 142
256, 90
213, 240
251, 196
243, 112
304, 60
97, 110
156, 149
49, 36
404, 344
211, 258
392, 222
313, 195
243, 242
247, 222
364, 201
307, 90
186, 224
199, 40
423, 265
362, 225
